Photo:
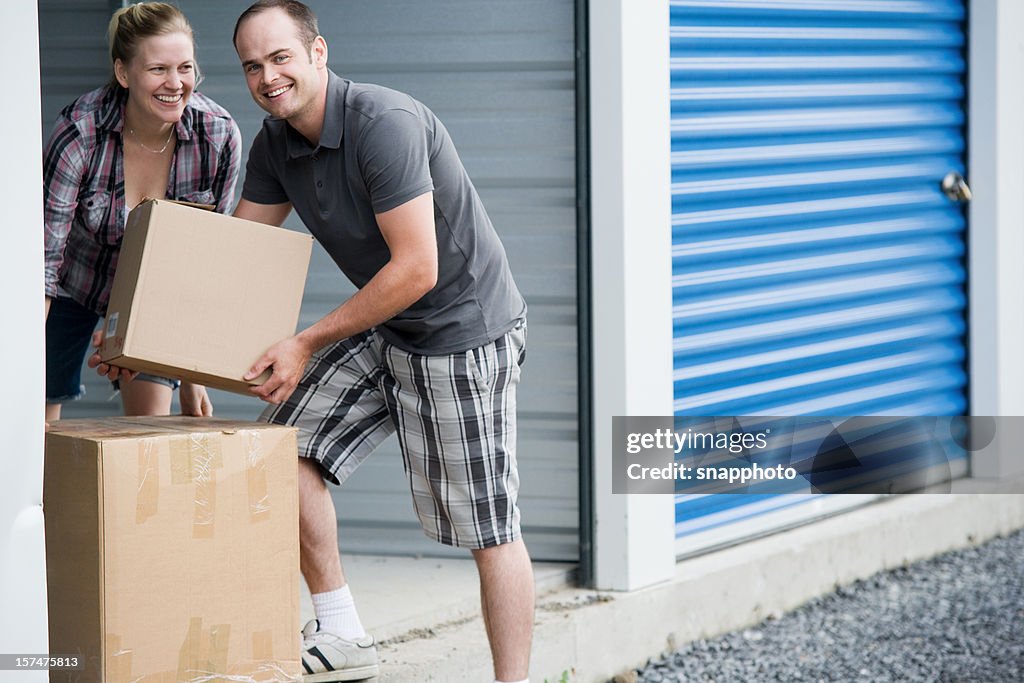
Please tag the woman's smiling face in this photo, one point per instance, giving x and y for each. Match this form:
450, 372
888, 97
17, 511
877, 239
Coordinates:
160, 77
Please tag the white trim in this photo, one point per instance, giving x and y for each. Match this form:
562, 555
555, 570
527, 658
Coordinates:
996, 176
631, 273
22, 563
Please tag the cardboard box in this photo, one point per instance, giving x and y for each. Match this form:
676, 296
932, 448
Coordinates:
200, 296
172, 549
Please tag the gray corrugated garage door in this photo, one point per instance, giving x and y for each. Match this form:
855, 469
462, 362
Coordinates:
500, 75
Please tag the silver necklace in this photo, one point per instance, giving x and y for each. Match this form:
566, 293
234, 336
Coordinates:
154, 151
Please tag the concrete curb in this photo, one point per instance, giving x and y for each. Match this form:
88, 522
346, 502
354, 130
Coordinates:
586, 636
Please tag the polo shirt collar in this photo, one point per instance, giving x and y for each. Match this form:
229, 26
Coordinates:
334, 121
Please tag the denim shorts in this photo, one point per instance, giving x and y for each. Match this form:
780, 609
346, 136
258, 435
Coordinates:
69, 328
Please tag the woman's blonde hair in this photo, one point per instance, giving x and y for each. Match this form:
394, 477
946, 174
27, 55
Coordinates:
134, 23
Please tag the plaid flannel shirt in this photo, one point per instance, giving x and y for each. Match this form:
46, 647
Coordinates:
83, 185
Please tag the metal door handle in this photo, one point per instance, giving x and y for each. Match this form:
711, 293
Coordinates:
955, 187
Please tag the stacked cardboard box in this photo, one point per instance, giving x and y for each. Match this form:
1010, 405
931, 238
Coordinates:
172, 549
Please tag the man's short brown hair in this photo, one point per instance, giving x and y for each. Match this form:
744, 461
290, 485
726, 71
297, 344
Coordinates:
303, 17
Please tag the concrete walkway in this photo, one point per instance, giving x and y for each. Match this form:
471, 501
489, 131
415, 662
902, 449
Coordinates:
425, 612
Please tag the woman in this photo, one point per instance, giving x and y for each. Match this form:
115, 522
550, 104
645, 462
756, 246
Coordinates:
146, 134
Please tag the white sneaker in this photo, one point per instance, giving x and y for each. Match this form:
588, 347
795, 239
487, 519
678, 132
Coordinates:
327, 657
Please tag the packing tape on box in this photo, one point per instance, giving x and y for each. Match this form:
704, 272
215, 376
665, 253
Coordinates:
181, 461
263, 645
188, 654
204, 654
220, 637
194, 455
194, 459
273, 672
119, 666
205, 457
256, 472
270, 670
148, 490
203, 658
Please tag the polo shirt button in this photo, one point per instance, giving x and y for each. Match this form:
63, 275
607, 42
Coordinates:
319, 183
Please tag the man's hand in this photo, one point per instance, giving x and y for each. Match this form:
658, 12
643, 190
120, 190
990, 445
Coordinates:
288, 360
195, 402
112, 372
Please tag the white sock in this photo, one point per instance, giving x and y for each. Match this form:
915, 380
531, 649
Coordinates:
525, 680
336, 612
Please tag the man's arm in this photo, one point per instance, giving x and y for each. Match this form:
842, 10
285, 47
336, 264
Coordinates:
410, 273
271, 214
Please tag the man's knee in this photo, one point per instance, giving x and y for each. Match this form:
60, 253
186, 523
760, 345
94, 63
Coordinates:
504, 552
311, 478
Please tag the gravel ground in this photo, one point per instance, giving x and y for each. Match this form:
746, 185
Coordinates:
956, 618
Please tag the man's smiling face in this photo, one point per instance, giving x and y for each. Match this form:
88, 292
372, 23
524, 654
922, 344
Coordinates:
283, 75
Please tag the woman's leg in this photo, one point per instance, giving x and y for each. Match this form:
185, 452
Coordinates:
142, 397
69, 327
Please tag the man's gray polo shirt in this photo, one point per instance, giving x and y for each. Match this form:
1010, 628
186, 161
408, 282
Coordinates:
378, 149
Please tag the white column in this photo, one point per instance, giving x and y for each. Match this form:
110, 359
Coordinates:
996, 176
634, 535
22, 560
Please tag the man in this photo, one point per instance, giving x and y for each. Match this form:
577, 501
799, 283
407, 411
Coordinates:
429, 347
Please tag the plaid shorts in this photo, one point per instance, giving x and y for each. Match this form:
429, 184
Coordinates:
455, 417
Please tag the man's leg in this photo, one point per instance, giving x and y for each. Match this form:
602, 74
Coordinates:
319, 558
338, 649
341, 418
506, 598
456, 421
340, 382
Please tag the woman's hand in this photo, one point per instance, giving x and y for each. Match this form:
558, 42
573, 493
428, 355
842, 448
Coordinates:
112, 372
194, 400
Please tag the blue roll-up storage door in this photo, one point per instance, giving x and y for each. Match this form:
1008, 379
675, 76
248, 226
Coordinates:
817, 266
